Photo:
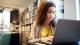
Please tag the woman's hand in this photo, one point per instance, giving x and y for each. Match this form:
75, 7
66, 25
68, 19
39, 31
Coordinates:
47, 39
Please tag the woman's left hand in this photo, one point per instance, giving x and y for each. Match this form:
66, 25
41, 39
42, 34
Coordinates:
47, 39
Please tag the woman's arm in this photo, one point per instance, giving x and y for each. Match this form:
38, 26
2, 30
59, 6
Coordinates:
32, 33
46, 39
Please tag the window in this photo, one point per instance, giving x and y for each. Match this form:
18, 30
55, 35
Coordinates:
5, 20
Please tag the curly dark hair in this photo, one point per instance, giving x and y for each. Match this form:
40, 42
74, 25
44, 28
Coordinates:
41, 12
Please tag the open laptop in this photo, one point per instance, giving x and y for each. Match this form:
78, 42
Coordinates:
67, 31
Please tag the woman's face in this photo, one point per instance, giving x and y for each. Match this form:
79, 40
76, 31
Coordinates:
50, 14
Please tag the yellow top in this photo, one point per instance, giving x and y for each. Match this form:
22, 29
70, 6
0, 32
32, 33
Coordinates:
45, 32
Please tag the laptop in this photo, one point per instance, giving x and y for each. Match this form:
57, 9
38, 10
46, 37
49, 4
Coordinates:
67, 31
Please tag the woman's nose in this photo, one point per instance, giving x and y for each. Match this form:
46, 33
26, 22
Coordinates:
50, 16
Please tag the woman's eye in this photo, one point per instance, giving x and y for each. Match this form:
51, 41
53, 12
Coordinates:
48, 12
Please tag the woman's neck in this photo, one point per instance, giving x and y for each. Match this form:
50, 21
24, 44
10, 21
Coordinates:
46, 24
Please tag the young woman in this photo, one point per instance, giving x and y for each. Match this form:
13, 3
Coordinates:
43, 26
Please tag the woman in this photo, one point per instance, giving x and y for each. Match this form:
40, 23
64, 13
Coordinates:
43, 26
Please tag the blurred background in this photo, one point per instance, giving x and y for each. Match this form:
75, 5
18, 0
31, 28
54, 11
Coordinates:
17, 17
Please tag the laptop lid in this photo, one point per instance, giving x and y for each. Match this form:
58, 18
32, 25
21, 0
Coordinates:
67, 31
